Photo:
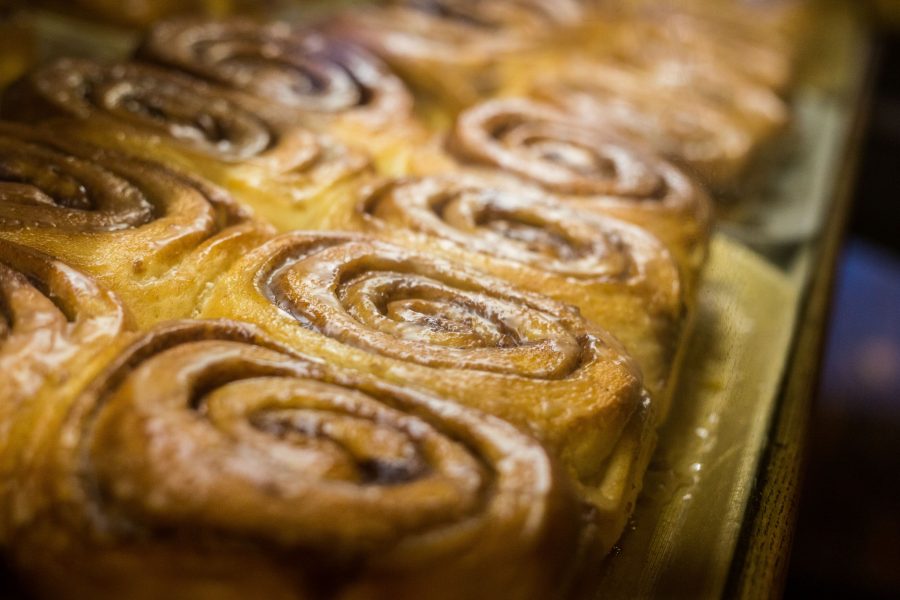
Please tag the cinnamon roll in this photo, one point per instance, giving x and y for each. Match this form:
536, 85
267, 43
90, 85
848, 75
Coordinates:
620, 277
422, 321
52, 317
450, 49
205, 460
699, 84
302, 70
54, 323
733, 36
713, 125
587, 168
277, 168
155, 237
324, 82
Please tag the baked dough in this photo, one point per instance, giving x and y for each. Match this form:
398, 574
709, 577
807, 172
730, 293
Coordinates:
155, 236
274, 165
326, 83
421, 321
588, 168
203, 460
618, 275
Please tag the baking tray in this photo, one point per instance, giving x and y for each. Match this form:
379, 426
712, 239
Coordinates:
711, 520
688, 517
787, 206
717, 513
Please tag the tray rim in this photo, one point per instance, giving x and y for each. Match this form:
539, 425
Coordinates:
761, 559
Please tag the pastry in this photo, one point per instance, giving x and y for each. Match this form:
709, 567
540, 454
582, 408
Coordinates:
702, 86
324, 82
445, 379
54, 323
52, 318
424, 322
154, 236
203, 460
618, 275
753, 41
588, 168
449, 50
278, 168
696, 121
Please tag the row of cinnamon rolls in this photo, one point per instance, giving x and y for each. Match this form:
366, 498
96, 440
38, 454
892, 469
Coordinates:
265, 330
706, 83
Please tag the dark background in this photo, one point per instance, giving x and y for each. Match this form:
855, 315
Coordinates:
848, 537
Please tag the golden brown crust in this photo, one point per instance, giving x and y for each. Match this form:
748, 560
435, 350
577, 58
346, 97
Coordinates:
515, 223
50, 315
588, 168
328, 84
702, 83
291, 477
397, 414
302, 70
620, 277
450, 48
739, 38
276, 166
154, 236
54, 323
426, 322
714, 126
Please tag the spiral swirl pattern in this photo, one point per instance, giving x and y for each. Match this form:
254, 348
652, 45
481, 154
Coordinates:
418, 45
143, 230
588, 168
513, 223
541, 144
423, 321
618, 275
414, 308
716, 91
49, 314
209, 427
302, 70
705, 129
168, 106
45, 182
449, 47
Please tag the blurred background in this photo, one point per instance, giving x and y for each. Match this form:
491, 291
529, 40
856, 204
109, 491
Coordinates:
848, 537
